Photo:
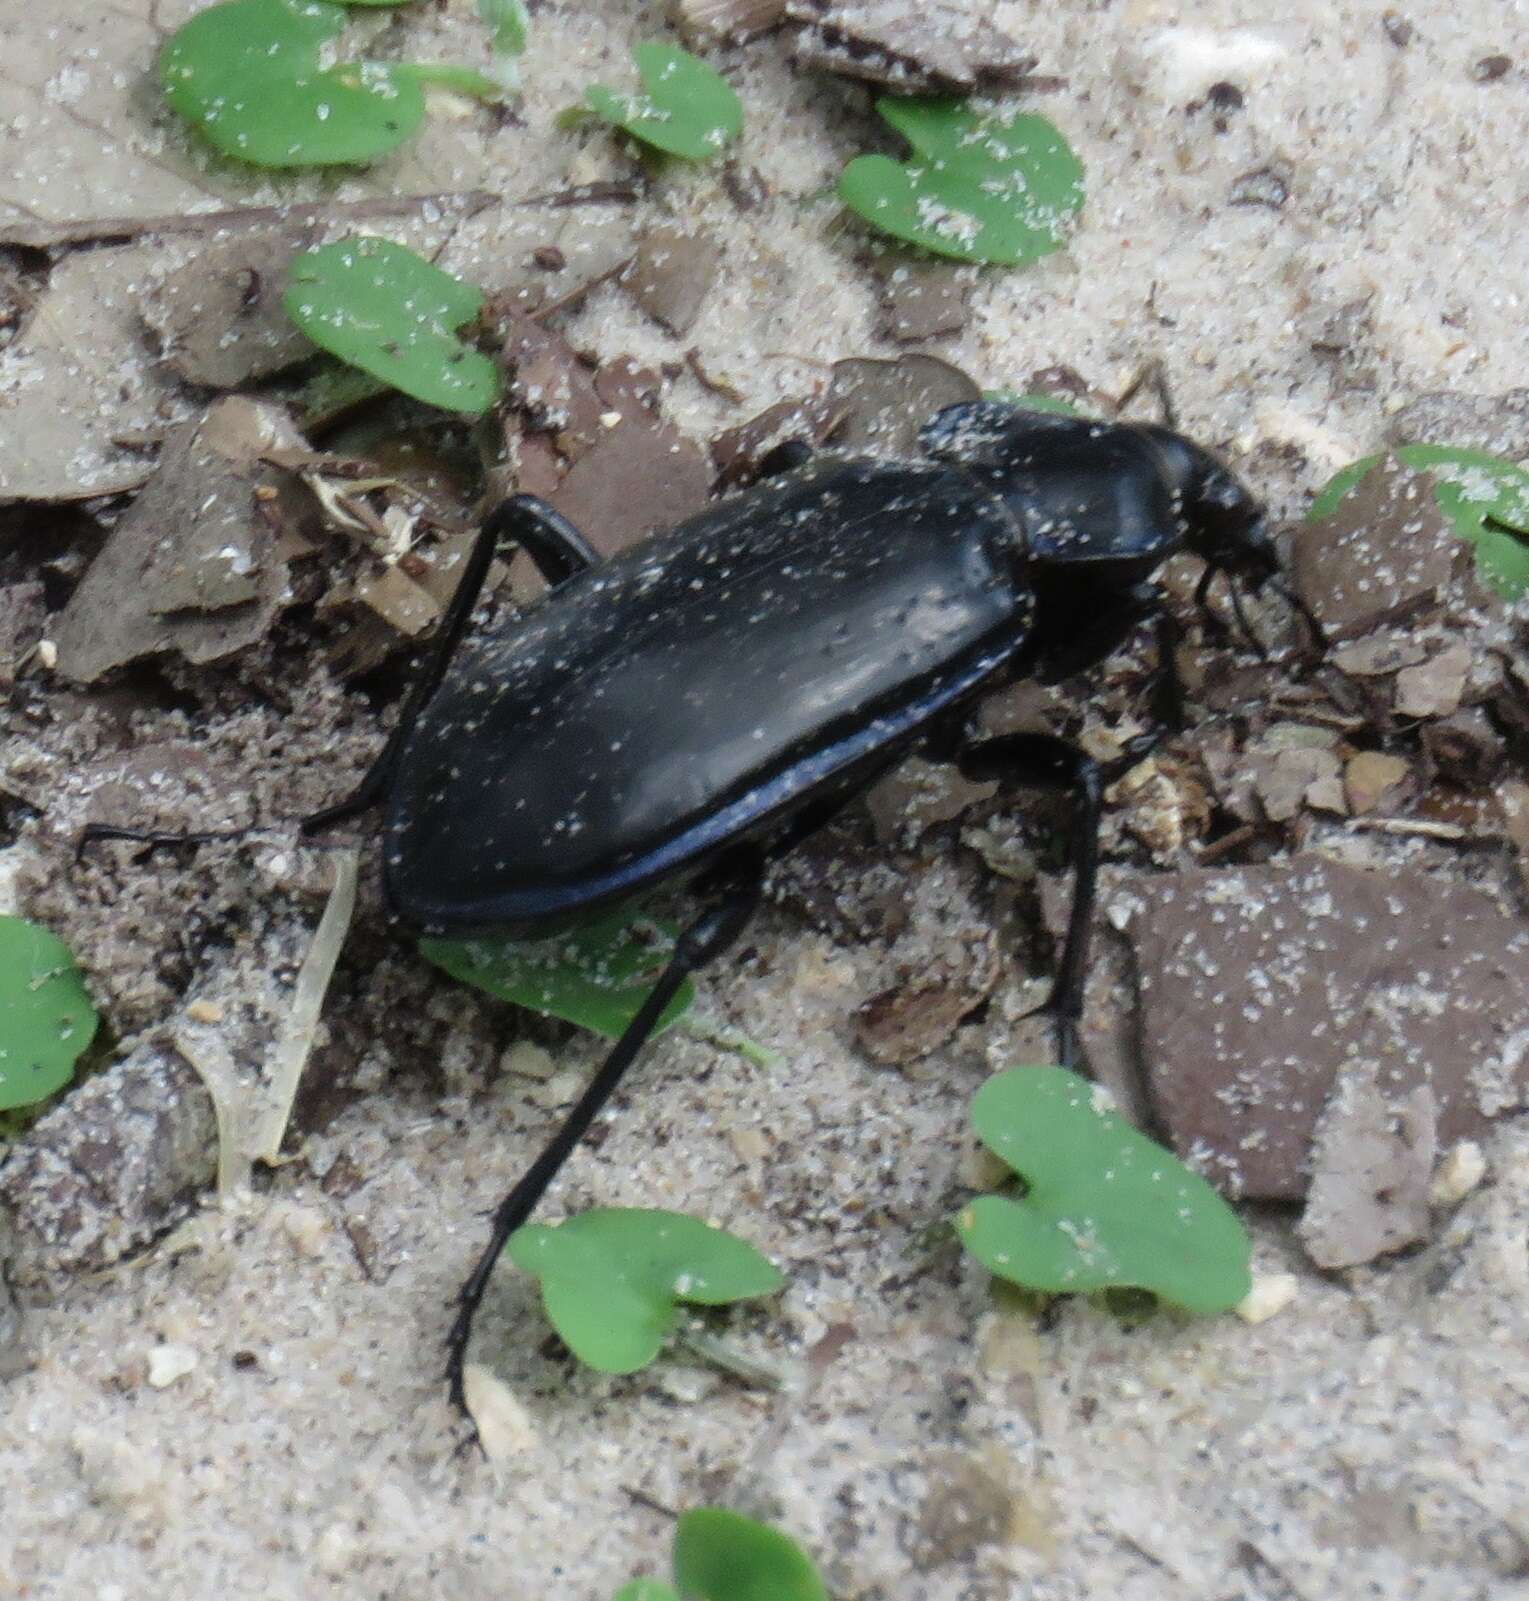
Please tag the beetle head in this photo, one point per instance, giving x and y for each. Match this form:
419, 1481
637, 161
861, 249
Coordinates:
1224, 524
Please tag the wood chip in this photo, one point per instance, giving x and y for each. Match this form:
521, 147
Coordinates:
938, 47
1372, 1166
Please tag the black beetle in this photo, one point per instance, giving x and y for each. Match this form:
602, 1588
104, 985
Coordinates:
706, 700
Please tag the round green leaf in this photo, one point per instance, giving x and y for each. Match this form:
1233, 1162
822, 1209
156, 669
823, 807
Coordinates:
1105, 1206
646, 1590
611, 1278
597, 976
687, 109
248, 74
724, 1556
975, 187
1485, 497
46, 1019
388, 311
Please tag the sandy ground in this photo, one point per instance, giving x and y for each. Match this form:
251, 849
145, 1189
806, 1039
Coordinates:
932, 1441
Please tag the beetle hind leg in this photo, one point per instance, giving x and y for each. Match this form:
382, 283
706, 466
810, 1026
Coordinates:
739, 880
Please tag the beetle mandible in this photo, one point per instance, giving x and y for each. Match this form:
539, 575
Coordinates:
698, 705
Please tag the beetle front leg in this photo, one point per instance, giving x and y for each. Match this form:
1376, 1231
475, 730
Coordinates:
1048, 762
706, 938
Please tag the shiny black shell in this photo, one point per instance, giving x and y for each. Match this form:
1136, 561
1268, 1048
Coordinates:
775, 651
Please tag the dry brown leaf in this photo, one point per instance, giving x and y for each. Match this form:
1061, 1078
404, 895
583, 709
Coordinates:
883, 404
79, 376
192, 566
220, 317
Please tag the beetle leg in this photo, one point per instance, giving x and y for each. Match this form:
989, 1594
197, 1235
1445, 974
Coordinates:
1047, 762
1166, 697
559, 551
707, 937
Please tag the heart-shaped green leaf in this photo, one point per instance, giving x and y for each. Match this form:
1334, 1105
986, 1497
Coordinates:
611, 1278
385, 309
1105, 1206
597, 976
46, 1019
1484, 497
975, 188
248, 74
724, 1556
686, 108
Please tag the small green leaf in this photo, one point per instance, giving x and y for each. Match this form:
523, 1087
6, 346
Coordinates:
1105, 1206
248, 74
1483, 496
510, 22
687, 110
1051, 404
388, 311
46, 1019
646, 1590
597, 976
611, 1278
724, 1556
975, 188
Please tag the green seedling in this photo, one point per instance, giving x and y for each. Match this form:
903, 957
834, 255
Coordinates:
250, 74
686, 109
46, 1019
1104, 1206
388, 311
597, 976
1053, 405
723, 1556
1484, 497
975, 188
612, 1278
